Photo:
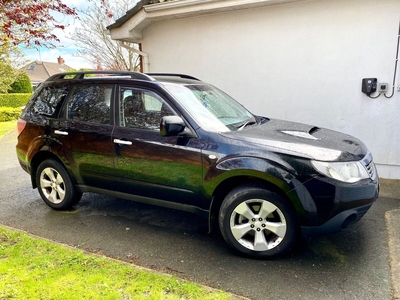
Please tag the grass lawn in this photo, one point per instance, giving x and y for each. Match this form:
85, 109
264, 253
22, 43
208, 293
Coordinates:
33, 268
7, 126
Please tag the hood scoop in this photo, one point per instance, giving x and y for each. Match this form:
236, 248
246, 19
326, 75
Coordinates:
303, 134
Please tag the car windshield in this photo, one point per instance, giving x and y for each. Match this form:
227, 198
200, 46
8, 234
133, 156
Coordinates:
211, 108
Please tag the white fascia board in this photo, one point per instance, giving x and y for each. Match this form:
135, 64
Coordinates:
131, 30
183, 8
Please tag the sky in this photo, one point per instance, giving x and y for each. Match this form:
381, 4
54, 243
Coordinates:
66, 47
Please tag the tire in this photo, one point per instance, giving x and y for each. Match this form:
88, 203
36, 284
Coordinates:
257, 223
55, 185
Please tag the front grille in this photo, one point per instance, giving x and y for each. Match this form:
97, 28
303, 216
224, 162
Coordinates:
370, 166
371, 169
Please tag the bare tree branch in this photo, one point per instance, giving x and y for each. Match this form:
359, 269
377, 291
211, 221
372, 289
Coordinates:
96, 46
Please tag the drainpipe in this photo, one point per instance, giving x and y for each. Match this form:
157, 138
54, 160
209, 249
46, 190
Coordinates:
145, 56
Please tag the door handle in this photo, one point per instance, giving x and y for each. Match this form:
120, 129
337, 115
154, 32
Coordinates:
60, 132
122, 142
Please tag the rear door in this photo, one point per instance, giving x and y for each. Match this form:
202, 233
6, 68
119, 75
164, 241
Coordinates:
85, 131
147, 164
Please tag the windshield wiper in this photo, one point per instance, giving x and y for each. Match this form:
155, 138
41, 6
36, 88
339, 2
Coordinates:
247, 123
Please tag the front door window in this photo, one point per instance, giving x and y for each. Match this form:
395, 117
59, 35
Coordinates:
142, 109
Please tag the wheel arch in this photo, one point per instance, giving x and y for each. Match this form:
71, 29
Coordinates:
258, 222
230, 183
37, 159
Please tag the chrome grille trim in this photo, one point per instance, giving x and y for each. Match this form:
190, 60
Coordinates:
369, 165
371, 169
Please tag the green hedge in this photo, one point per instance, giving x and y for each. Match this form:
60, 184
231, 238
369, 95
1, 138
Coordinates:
14, 100
9, 113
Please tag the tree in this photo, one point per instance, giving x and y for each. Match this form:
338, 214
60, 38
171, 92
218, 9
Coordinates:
22, 84
9, 56
5, 79
31, 22
96, 45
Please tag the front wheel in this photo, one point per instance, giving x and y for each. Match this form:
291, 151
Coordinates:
257, 222
55, 185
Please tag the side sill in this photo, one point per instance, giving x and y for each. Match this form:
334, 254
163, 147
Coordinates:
156, 202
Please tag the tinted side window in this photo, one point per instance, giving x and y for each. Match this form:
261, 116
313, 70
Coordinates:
90, 103
48, 100
142, 109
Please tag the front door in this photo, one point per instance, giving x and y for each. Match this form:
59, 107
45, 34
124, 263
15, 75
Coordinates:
147, 164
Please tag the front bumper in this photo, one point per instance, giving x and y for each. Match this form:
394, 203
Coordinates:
338, 223
336, 206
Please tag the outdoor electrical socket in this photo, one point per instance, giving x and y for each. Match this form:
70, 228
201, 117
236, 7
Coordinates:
383, 87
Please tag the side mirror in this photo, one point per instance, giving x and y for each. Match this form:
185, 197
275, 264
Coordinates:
171, 126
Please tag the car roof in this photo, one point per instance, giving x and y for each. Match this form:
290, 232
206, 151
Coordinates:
123, 75
176, 80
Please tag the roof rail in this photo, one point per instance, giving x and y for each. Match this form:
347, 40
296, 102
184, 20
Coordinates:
173, 75
81, 75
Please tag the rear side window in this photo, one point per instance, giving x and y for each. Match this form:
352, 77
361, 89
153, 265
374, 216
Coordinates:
90, 103
49, 100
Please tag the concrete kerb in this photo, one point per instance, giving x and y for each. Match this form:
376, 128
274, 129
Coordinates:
393, 227
391, 189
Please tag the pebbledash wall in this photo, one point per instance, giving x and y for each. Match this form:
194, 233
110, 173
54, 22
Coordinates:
298, 61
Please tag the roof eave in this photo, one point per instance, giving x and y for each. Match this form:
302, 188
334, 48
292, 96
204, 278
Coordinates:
131, 30
130, 27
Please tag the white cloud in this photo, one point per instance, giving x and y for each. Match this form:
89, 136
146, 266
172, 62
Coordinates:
51, 55
79, 3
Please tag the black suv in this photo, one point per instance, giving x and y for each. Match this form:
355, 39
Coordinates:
174, 141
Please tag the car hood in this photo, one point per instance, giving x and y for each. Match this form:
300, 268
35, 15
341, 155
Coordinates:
301, 140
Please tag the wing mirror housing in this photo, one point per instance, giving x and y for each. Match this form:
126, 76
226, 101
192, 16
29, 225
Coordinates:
173, 126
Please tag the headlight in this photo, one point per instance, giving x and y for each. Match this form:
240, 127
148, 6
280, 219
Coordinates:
346, 171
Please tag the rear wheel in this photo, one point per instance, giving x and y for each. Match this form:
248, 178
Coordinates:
55, 185
257, 222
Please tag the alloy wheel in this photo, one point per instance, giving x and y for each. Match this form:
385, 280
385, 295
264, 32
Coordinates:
258, 225
52, 185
